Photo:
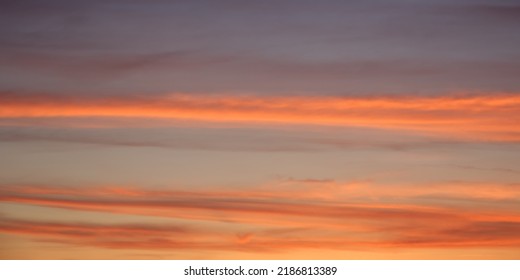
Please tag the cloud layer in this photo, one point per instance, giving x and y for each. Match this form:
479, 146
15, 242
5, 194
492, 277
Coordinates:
483, 117
291, 214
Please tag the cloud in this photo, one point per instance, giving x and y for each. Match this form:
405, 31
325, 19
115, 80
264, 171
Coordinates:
297, 203
129, 236
107, 66
90, 230
293, 214
495, 11
291, 47
232, 207
222, 137
484, 117
218, 71
160, 238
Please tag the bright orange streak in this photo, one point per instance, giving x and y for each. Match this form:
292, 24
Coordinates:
278, 219
488, 117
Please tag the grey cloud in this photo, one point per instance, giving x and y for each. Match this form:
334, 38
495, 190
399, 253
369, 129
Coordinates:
228, 139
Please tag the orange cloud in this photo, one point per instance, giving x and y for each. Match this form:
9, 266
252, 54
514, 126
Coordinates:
279, 218
346, 206
160, 238
251, 210
484, 117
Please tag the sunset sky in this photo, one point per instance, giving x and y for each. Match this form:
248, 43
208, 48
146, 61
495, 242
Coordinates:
274, 129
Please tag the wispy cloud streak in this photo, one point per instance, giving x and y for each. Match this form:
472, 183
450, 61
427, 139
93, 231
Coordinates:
483, 117
282, 216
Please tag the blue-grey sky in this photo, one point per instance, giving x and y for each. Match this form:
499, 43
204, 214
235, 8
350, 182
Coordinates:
294, 47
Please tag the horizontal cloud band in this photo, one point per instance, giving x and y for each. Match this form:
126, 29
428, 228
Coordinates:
280, 218
493, 117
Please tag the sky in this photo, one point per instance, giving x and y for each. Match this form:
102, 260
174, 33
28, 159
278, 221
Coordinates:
260, 129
